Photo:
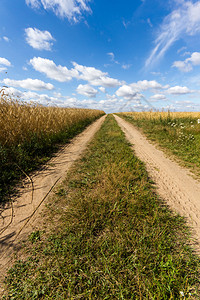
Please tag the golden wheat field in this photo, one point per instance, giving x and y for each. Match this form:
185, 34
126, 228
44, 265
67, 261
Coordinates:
19, 120
150, 115
164, 115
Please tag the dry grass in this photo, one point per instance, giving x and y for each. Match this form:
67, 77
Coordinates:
19, 121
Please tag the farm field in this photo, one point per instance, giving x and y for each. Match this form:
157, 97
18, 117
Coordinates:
109, 235
176, 132
30, 134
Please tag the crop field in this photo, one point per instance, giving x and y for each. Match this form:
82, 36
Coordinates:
178, 132
105, 232
109, 234
30, 133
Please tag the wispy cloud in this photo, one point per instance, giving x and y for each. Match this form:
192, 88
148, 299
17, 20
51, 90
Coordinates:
126, 66
126, 24
6, 39
70, 9
184, 20
112, 58
149, 22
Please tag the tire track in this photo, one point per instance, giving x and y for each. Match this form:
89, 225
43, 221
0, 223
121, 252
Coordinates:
19, 219
174, 183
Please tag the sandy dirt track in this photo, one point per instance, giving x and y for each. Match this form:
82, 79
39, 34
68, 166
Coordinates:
32, 202
174, 183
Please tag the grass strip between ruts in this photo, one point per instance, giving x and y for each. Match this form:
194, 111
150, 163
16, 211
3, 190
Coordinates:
111, 238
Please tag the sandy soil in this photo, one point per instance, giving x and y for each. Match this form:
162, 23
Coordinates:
18, 220
174, 183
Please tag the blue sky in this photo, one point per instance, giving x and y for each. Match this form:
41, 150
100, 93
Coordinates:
110, 55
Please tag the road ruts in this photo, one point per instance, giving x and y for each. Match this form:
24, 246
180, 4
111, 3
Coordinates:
174, 183
20, 220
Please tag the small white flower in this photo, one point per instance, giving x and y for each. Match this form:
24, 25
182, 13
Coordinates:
182, 294
198, 121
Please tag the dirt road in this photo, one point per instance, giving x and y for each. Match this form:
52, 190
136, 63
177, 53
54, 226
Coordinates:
174, 183
16, 222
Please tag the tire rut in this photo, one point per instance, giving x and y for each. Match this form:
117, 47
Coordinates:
20, 218
173, 182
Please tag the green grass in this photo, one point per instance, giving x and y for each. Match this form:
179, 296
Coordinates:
29, 156
111, 236
181, 136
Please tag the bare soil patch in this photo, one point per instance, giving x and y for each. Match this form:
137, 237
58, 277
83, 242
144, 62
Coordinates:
18, 220
174, 183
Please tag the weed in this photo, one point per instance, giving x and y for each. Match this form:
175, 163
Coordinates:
35, 236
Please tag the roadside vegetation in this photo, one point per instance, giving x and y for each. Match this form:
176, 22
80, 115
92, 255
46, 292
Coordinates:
109, 235
179, 132
31, 133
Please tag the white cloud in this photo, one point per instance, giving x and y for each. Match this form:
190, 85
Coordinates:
195, 58
40, 40
5, 62
102, 89
88, 73
2, 69
60, 100
33, 97
182, 66
181, 49
185, 20
33, 3
157, 97
94, 76
86, 90
51, 70
112, 57
183, 102
156, 73
6, 39
179, 90
144, 85
70, 9
127, 92
105, 81
126, 66
12, 92
187, 64
31, 84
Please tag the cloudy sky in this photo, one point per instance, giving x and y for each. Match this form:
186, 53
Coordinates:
113, 55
